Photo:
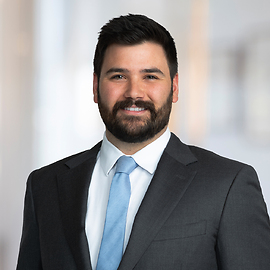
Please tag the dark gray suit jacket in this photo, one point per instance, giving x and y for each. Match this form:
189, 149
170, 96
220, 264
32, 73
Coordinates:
201, 212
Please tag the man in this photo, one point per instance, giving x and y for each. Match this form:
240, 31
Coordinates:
188, 208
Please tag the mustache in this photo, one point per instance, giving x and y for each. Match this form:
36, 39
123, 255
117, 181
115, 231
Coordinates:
138, 103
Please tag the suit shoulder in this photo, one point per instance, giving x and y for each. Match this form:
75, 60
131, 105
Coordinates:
215, 161
200, 157
68, 162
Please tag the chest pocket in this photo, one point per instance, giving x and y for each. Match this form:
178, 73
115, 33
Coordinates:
182, 231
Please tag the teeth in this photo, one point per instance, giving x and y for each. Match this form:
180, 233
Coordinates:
134, 109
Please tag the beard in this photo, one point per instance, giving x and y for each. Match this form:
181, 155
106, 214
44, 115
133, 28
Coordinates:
135, 129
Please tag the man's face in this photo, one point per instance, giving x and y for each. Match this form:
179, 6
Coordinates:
135, 91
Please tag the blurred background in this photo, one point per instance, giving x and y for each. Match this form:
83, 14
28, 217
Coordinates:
46, 106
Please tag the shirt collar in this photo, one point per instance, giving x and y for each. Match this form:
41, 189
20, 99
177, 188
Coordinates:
109, 154
147, 158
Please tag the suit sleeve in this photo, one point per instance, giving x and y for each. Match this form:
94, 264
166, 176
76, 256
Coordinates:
29, 254
243, 241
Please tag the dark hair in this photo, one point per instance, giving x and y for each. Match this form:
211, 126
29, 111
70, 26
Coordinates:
134, 29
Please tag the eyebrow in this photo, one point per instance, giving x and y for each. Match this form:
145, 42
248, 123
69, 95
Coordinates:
124, 70
152, 70
116, 70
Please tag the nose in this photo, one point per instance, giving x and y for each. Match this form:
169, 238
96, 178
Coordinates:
134, 89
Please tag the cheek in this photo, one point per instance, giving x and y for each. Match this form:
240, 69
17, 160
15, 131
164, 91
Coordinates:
159, 93
108, 96
112, 92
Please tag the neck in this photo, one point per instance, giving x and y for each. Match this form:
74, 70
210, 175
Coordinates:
131, 148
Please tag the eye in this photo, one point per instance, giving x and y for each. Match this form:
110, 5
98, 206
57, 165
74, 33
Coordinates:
117, 77
151, 77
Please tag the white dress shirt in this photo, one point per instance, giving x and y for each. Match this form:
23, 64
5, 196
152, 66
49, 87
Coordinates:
99, 189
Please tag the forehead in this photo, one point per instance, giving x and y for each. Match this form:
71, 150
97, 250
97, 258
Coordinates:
141, 55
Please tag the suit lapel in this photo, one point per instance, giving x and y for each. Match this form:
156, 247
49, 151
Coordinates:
167, 187
73, 188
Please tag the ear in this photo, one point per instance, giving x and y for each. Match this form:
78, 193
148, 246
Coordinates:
95, 87
175, 88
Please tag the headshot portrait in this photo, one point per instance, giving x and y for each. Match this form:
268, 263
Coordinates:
134, 135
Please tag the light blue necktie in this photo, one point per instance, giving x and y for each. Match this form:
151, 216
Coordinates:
111, 249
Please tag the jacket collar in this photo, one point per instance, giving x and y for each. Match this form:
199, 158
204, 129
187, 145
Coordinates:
73, 188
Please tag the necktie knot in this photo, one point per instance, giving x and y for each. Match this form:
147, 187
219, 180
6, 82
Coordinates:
125, 164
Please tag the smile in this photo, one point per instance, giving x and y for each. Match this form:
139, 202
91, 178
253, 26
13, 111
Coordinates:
134, 109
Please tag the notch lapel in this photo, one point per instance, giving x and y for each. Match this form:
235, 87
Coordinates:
73, 188
167, 187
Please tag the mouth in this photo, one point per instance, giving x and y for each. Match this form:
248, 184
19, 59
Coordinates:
132, 109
